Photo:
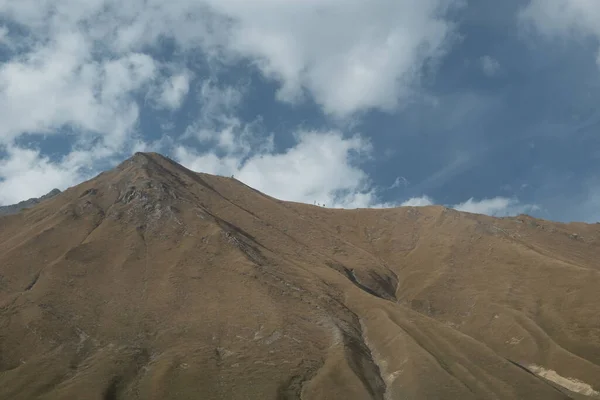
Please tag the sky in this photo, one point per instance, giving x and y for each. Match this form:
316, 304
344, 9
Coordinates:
485, 106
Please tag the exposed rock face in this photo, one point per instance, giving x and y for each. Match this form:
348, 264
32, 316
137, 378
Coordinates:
155, 282
15, 208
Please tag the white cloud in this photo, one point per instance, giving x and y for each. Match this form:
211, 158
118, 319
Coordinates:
348, 55
58, 84
25, 173
82, 68
563, 18
216, 100
418, 202
86, 65
490, 66
321, 167
217, 122
173, 90
497, 206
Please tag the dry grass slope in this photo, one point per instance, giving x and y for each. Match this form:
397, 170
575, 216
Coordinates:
154, 282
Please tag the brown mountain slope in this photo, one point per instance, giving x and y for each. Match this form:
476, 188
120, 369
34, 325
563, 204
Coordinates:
154, 282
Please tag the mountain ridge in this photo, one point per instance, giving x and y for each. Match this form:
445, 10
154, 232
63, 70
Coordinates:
153, 281
15, 208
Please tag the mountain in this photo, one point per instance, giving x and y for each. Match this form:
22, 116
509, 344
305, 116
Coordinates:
15, 208
151, 281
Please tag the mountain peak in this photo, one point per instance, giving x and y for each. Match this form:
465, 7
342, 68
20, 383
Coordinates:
153, 281
145, 159
149, 156
142, 168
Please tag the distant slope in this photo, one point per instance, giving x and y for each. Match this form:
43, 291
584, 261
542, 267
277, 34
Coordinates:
15, 208
151, 281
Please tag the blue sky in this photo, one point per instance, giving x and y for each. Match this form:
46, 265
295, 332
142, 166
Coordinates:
481, 105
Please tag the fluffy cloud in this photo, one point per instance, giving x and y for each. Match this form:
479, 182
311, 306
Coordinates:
25, 174
86, 68
321, 167
489, 65
219, 126
57, 85
348, 55
173, 90
563, 18
78, 65
497, 206
417, 202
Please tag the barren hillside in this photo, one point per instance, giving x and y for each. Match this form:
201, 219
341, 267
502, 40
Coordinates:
154, 282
